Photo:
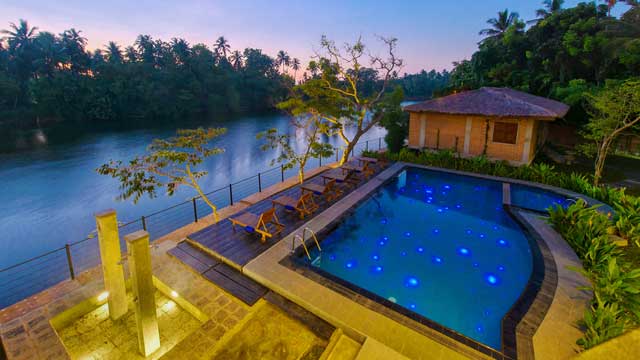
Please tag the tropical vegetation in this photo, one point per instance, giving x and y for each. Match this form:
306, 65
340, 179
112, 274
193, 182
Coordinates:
48, 76
168, 164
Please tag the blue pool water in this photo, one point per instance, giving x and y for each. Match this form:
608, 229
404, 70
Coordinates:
437, 244
536, 199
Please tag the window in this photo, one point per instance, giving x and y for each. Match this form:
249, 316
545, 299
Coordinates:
505, 132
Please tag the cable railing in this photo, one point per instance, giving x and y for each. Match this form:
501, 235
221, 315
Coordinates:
31, 276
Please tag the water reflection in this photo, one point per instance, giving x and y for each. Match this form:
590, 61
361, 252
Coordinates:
50, 188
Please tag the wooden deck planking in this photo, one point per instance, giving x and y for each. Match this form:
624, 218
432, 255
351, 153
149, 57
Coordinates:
240, 247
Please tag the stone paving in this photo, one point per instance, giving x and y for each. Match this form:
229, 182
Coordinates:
27, 333
96, 336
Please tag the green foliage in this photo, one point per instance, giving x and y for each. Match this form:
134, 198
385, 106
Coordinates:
395, 120
565, 53
612, 111
169, 164
601, 323
344, 93
312, 127
57, 78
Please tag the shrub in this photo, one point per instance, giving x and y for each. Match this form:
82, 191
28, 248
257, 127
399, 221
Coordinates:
601, 322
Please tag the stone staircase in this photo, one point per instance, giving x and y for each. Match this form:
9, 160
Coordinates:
342, 347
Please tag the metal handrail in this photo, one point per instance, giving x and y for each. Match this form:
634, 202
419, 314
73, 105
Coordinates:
293, 245
315, 238
183, 203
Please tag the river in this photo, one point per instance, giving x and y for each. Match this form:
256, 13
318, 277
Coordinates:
50, 189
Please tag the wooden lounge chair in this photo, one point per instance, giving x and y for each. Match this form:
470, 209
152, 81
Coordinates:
329, 191
304, 205
253, 223
365, 169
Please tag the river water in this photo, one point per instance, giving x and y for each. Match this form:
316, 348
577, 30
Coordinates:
49, 189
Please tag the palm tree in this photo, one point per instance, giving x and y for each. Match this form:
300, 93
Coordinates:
181, 50
236, 59
500, 24
20, 36
131, 54
222, 46
283, 59
114, 54
74, 47
295, 65
49, 53
144, 45
20, 39
550, 7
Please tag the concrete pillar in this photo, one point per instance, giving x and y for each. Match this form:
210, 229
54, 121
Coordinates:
528, 136
139, 257
423, 130
467, 136
107, 226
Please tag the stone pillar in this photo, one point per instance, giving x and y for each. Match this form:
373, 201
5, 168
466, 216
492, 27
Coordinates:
107, 226
139, 257
467, 136
423, 130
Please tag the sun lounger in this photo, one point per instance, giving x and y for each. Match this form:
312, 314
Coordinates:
329, 191
253, 223
304, 205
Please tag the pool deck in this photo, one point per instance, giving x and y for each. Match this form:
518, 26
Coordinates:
238, 247
27, 333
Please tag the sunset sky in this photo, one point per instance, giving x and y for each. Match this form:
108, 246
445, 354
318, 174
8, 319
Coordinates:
432, 34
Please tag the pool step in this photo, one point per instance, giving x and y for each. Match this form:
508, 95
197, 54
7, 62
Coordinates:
341, 347
374, 350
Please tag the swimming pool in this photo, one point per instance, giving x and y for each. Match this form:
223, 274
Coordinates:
437, 244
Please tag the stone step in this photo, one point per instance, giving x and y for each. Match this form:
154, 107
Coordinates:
375, 350
222, 275
341, 347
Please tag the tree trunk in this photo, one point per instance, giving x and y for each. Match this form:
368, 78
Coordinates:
600, 159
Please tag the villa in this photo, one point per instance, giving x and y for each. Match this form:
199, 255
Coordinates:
502, 123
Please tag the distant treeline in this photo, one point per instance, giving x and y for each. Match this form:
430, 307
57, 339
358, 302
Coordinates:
54, 77
424, 85
562, 54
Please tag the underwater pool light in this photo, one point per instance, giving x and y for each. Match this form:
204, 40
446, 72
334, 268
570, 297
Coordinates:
376, 257
491, 279
500, 268
502, 242
464, 251
420, 249
377, 269
412, 306
436, 259
412, 282
383, 221
468, 231
350, 264
407, 233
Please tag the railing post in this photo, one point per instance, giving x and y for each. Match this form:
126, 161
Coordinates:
337, 153
379, 143
195, 210
282, 172
144, 223
259, 183
231, 194
70, 261
366, 145
320, 160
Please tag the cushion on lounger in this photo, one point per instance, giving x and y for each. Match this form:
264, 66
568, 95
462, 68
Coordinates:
249, 229
317, 192
289, 207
